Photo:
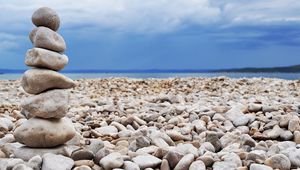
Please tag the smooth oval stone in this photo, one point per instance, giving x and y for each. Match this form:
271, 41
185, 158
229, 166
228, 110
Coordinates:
42, 133
46, 17
56, 162
44, 37
82, 154
42, 58
51, 104
111, 161
35, 81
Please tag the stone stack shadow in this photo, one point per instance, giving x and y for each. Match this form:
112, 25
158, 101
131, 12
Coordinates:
47, 125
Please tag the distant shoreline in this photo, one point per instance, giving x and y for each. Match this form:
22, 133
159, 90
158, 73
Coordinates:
288, 69
76, 76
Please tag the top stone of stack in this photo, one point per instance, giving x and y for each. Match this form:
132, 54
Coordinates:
46, 17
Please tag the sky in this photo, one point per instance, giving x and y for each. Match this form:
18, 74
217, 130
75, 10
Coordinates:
160, 34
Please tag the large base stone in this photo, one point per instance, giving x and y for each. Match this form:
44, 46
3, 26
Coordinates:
37, 132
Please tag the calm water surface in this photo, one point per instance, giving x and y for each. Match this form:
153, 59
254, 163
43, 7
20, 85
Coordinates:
287, 76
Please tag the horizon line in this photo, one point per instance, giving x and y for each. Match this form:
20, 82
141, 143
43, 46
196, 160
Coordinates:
2, 71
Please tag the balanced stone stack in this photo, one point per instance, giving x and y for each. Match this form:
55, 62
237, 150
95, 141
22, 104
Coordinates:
46, 109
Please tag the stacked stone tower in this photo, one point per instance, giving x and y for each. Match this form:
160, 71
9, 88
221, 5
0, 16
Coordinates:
46, 108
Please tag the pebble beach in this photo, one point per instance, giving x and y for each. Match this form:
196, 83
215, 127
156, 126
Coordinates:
176, 123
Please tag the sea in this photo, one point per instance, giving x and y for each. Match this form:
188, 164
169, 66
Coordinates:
286, 76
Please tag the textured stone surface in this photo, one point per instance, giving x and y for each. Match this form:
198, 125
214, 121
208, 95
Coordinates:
111, 161
82, 154
130, 166
26, 153
224, 165
9, 163
6, 124
173, 158
42, 58
294, 156
8, 138
107, 130
197, 165
185, 162
260, 167
35, 162
35, 81
46, 38
146, 161
115, 101
165, 165
37, 132
56, 162
51, 104
46, 17
278, 161
22, 167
